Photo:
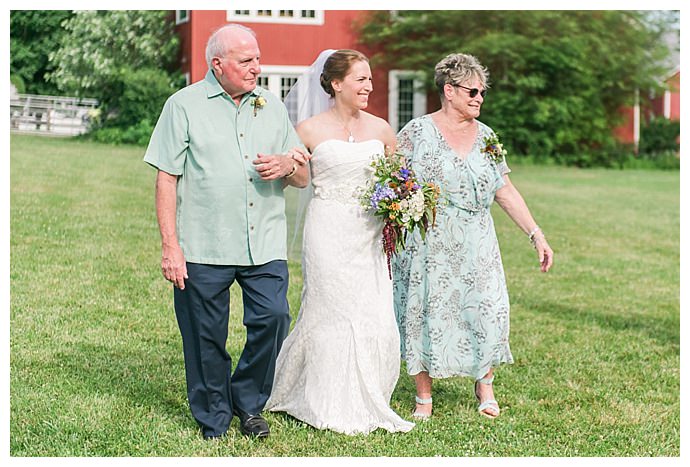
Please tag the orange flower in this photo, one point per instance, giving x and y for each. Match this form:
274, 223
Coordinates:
395, 206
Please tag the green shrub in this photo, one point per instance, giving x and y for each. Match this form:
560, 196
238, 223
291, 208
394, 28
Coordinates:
144, 91
659, 135
18, 83
612, 155
665, 160
135, 110
137, 134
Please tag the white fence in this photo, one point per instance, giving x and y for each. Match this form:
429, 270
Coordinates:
60, 116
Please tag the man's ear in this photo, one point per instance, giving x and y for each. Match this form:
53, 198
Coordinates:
215, 65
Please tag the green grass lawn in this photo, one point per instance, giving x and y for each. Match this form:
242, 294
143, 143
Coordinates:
96, 357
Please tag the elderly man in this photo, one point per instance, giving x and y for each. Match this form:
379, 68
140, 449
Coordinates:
225, 150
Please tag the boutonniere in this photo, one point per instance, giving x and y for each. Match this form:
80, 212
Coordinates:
493, 148
258, 103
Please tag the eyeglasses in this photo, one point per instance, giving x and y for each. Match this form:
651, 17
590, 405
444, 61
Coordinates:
473, 91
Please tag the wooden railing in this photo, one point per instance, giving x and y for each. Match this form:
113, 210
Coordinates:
60, 116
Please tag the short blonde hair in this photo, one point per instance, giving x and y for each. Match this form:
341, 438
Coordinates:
459, 69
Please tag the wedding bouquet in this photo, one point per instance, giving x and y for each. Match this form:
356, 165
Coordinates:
403, 203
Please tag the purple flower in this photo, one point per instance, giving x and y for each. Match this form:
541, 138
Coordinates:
381, 192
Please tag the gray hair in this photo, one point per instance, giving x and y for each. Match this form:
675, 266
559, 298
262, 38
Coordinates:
459, 69
216, 46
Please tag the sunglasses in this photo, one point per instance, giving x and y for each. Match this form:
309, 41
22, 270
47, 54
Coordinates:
473, 91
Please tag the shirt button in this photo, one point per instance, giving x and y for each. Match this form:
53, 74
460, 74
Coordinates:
251, 179
246, 157
251, 227
251, 205
241, 135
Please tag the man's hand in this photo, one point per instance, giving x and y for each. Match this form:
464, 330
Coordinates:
276, 166
173, 265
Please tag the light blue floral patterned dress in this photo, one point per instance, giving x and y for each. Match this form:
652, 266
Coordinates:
451, 299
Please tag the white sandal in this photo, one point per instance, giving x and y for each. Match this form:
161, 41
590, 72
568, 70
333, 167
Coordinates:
488, 404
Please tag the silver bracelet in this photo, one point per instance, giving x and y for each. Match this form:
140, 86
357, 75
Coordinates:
533, 233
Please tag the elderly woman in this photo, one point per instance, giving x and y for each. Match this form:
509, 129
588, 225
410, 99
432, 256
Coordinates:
450, 291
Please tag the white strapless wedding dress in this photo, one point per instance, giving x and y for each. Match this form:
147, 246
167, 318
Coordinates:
339, 366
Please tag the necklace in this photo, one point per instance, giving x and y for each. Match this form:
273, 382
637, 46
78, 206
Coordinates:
350, 138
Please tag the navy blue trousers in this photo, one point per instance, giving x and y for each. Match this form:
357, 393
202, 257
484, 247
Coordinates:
202, 311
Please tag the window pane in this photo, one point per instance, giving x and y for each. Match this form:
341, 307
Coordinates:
286, 83
242, 12
288, 13
308, 13
262, 81
405, 101
264, 13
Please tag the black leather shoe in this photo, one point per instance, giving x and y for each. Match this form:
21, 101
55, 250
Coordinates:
253, 425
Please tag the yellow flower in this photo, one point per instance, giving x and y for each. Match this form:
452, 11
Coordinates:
258, 103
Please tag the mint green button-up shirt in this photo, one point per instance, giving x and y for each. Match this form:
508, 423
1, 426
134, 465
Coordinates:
225, 213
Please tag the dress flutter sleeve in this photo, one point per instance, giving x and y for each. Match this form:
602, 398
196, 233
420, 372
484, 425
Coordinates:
405, 139
503, 167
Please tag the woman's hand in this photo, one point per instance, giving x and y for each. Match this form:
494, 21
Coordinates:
544, 252
299, 155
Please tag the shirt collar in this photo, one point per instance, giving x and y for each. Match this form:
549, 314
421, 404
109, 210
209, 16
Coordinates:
213, 87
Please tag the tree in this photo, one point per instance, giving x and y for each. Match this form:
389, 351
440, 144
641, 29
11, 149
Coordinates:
126, 59
34, 35
558, 78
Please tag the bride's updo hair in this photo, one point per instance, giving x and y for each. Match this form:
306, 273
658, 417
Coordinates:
337, 66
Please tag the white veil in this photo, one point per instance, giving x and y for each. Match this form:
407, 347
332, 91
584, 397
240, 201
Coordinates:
308, 98
307, 95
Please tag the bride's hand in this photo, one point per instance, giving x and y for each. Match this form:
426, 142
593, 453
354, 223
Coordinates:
299, 155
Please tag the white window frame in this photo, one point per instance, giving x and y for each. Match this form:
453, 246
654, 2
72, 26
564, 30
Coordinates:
178, 17
253, 17
667, 104
419, 101
275, 72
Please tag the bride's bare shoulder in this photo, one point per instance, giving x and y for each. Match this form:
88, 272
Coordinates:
311, 130
307, 128
382, 129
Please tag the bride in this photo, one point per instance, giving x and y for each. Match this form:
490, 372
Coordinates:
339, 366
